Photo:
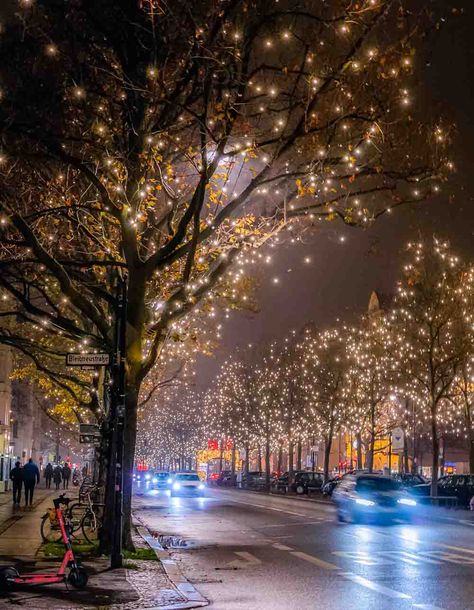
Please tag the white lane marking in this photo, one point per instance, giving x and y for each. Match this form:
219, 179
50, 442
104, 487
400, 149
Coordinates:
426, 607
282, 547
369, 584
293, 524
315, 560
454, 548
466, 522
245, 560
279, 510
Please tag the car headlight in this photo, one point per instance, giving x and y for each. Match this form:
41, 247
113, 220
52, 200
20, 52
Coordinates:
176, 485
154, 480
147, 476
201, 486
364, 502
169, 480
138, 478
407, 501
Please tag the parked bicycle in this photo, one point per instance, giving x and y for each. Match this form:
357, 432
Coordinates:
84, 516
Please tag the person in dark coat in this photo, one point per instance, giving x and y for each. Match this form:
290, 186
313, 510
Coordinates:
48, 475
31, 476
57, 476
66, 476
16, 476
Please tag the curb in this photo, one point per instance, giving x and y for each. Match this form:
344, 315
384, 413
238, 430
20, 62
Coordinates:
192, 596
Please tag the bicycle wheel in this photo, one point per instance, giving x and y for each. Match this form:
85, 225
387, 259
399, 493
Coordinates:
90, 526
50, 530
75, 513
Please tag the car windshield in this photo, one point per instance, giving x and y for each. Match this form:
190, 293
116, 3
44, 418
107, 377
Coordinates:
187, 477
162, 475
374, 484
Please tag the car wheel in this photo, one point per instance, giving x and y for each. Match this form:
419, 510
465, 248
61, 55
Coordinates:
299, 490
340, 516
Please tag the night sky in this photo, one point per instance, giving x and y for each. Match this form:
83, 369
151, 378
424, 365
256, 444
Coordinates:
341, 276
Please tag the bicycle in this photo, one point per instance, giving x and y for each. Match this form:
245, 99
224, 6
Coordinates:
79, 516
91, 522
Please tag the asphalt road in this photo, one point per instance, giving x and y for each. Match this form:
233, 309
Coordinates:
249, 551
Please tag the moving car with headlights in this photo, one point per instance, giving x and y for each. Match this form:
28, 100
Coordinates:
161, 480
187, 483
366, 497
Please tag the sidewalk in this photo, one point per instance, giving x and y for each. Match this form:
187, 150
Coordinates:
20, 528
143, 584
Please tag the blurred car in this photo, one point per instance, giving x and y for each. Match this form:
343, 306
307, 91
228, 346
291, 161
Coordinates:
212, 477
187, 483
161, 480
408, 479
460, 486
365, 497
303, 481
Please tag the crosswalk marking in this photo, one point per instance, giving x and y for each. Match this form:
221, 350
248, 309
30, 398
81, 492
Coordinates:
282, 547
245, 560
369, 584
315, 560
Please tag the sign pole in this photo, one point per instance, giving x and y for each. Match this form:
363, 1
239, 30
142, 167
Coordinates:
116, 560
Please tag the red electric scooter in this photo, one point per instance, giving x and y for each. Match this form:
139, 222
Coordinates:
77, 575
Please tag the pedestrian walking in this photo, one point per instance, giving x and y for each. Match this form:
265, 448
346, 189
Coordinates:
66, 475
16, 476
48, 475
31, 476
57, 476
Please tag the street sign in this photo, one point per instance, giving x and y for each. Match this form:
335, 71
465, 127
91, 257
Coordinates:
91, 360
89, 433
398, 439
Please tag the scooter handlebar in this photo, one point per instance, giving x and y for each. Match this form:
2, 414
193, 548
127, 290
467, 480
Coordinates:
61, 500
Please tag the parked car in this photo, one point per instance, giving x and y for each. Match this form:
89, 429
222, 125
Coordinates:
254, 480
225, 478
330, 485
161, 480
303, 481
408, 479
187, 483
372, 497
460, 486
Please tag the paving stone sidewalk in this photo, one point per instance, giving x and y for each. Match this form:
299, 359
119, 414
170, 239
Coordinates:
141, 585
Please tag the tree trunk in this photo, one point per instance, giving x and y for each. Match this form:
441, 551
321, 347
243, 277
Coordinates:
359, 451
370, 455
247, 459
259, 458
327, 454
221, 453
405, 453
130, 436
291, 456
267, 463
435, 451
298, 455
232, 463
471, 453
280, 458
